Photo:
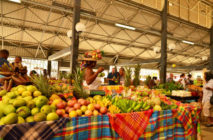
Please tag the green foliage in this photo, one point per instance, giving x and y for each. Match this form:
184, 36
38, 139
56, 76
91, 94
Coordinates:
170, 86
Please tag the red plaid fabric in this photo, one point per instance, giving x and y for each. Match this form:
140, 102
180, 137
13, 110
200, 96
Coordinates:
130, 126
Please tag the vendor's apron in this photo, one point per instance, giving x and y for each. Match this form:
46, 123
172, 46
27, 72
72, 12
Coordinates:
94, 85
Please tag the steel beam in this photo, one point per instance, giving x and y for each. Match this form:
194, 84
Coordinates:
87, 16
75, 36
163, 63
211, 49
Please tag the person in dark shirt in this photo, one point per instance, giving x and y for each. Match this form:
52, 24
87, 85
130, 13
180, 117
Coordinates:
4, 54
113, 77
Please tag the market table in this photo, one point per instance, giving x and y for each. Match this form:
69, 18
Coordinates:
167, 124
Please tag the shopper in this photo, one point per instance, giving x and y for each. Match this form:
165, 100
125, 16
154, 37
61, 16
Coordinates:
113, 77
207, 93
17, 62
189, 80
182, 80
121, 73
170, 79
4, 75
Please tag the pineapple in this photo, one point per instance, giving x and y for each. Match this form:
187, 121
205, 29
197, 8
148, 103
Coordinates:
128, 73
42, 85
79, 91
136, 80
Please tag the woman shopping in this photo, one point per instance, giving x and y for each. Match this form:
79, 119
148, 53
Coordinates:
207, 93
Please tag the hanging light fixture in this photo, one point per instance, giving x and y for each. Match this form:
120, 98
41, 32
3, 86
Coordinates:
80, 27
156, 49
173, 65
204, 58
69, 33
171, 46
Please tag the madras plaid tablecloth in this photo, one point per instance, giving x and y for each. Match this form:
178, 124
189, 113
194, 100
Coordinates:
85, 128
162, 125
130, 125
32, 131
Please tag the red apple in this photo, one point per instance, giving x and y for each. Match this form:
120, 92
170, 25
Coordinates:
66, 115
88, 113
65, 104
88, 102
71, 109
103, 110
67, 109
60, 112
50, 102
83, 102
71, 103
77, 106
97, 106
60, 105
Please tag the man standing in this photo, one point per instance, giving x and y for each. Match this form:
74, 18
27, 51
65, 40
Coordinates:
113, 77
121, 73
170, 79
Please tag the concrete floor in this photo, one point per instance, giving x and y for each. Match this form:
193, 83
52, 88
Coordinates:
206, 133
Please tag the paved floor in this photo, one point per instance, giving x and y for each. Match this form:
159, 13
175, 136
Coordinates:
206, 133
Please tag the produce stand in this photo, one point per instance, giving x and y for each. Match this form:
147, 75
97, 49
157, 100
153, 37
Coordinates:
161, 125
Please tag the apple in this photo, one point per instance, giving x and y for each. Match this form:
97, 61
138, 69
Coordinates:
91, 107
67, 109
71, 109
103, 110
82, 102
83, 108
95, 113
79, 112
73, 114
88, 102
88, 113
60, 105
60, 112
66, 115
77, 106
71, 103
97, 106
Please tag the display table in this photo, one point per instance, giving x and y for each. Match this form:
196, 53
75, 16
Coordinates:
167, 124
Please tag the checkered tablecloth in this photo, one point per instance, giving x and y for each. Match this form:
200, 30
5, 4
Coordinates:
162, 125
32, 131
85, 128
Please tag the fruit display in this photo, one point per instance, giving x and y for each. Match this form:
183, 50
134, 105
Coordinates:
81, 107
61, 88
25, 104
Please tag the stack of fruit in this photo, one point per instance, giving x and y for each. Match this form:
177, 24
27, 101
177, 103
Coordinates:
81, 107
62, 88
25, 104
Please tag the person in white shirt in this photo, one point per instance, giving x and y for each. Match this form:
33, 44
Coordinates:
182, 80
207, 93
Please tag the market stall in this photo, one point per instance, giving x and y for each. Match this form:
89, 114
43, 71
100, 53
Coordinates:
179, 123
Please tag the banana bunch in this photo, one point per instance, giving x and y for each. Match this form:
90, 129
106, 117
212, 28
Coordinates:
114, 109
5, 68
105, 102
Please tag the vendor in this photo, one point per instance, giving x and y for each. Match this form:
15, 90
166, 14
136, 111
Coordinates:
113, 77
92, 81
121, 73
207, 93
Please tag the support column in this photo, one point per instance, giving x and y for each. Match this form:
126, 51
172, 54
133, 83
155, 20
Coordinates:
49, 64
211, 50
75, 36
163, 59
